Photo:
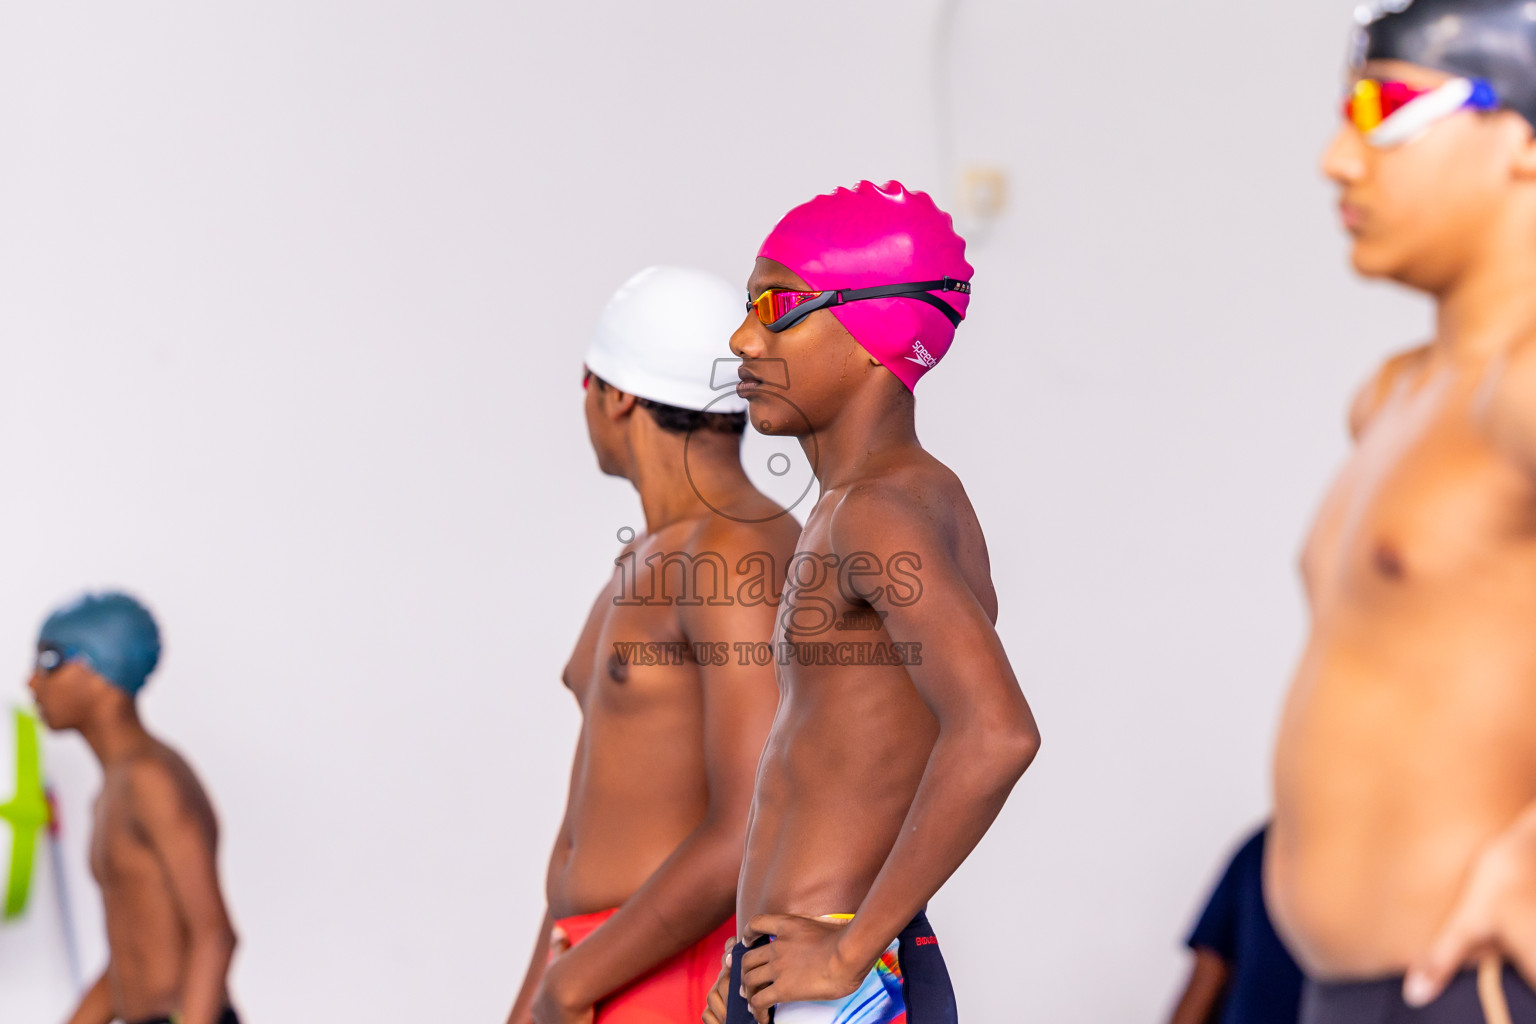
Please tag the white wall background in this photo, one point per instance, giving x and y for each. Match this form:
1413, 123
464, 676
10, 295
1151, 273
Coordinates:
293, 297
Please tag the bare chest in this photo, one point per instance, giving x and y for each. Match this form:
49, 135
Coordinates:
830, 635
831, 597
119, 851
631, 651
1424, 498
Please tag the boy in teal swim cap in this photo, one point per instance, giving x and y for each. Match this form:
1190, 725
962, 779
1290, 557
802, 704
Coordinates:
154, 847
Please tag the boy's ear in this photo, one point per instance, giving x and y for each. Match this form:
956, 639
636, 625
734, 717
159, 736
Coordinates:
620, 403
1525, 156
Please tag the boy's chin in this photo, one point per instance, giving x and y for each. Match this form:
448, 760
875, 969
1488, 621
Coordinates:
774, 415
769, 428
1411, 266
1371, 263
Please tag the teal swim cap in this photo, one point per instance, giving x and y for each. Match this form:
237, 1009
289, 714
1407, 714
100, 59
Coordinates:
114, 633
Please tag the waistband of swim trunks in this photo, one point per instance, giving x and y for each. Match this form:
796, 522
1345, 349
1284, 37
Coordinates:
582, 925
227, 1017
917, 926
1349, 993
579, 927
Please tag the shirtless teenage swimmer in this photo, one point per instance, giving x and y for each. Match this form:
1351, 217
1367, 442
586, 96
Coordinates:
154, 845
1403, 850
900, 728
641, 883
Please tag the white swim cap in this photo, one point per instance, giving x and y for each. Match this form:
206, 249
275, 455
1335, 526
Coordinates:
661, 333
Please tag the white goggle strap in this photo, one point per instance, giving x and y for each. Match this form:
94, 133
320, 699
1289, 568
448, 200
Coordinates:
1417, 117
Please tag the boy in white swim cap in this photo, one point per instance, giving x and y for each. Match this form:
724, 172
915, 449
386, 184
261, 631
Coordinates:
641, 886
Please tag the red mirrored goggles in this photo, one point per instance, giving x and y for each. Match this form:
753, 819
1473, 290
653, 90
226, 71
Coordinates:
779, 309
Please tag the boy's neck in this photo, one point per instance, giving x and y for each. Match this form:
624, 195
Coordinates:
1490, 307
671, 475
869, 427
115, 732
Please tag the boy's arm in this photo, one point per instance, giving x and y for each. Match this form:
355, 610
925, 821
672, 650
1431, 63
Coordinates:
1495, 914
1202, 993
987, 738
96, 1005
186, 849
522, 1009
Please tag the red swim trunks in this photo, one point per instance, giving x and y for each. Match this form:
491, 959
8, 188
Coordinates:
674, 993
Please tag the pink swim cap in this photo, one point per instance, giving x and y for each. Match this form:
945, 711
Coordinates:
869, 236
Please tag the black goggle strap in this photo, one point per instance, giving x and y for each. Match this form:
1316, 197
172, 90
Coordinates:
918, 291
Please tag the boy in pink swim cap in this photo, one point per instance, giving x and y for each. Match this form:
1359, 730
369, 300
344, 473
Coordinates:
901, 727
902, 281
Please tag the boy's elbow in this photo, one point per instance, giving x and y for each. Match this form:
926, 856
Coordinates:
1014, 747
1030, 747
218, 935
720, 846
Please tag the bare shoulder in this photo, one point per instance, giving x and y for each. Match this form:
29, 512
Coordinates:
919, 514
734, 540
1402, 367
163, 786
918, 500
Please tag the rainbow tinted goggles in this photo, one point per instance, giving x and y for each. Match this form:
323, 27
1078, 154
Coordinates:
780, 309
1391, 113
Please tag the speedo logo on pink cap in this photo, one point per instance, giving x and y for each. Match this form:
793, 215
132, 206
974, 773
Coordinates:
922, 357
